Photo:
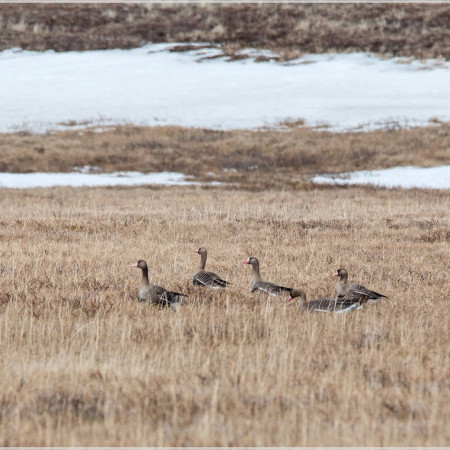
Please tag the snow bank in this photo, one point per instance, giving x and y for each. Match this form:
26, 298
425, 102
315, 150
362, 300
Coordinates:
404, 177
153, 86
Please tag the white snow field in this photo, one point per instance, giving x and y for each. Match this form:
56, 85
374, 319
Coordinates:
404, 177
78, 179
153, 86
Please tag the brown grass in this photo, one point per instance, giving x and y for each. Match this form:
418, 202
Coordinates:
83, 363
263, 158
421, 31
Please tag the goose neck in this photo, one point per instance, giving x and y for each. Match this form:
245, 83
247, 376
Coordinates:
256, 274
202, 260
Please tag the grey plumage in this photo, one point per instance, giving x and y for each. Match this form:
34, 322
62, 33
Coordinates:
209, 279
155, 294
264, 286
270, 288
352, 291
325, 304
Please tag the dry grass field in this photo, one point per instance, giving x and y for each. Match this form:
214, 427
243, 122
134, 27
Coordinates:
418, 30
83, 363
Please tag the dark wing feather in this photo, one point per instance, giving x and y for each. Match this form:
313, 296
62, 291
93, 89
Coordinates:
270, 288
362, 291
331, 305
322, 304
209, 279
162, 296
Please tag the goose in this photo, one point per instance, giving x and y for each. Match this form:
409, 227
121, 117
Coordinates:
155, 294
209, 279
326, 304
352, 291
259, 284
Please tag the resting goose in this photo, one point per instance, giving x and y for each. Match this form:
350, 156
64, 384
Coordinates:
325, 304
209, 279
155, 294
352, 291
265, 286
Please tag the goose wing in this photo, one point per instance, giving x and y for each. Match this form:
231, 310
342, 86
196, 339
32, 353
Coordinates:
209, 279
359, 292
270, 288
163, 297
329, 304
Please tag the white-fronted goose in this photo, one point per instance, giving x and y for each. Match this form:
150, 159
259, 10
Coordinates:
259, 284
155, 294
352, 291
209, 279
325, 304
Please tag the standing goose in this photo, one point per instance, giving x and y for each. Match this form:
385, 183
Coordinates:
326, 304
209, 279
352, 291
155, 294
259, 284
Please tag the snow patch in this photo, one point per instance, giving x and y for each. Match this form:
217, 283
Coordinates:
83, 178
403, 177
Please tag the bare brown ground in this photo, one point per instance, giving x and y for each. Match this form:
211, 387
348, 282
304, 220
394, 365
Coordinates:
421, 31
83, 363
258, 159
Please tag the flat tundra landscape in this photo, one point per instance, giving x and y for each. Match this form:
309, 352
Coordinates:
84, 363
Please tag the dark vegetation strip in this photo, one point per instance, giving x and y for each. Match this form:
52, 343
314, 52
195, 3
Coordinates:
419, 30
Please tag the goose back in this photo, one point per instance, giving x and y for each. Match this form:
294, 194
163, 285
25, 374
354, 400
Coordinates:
325, 304
269, 288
